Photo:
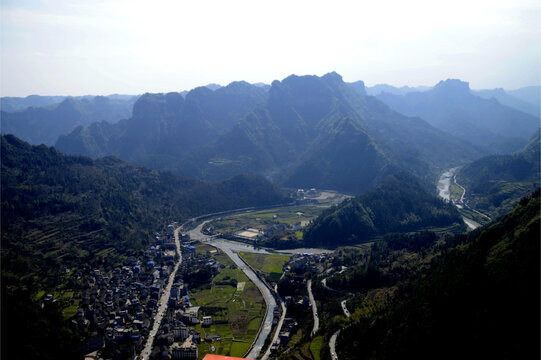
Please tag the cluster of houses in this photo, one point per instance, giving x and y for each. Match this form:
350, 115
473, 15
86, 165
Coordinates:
118, 305
300, 263
288, 328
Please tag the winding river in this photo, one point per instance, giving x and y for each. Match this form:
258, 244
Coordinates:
444, 191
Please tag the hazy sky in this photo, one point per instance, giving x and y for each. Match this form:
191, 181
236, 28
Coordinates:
102, 47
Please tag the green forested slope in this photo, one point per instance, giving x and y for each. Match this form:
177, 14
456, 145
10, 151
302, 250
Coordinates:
60, 210
495, 184
398, 204
59, 207
480, 299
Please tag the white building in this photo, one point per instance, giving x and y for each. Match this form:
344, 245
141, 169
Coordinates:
188, 350
207, 320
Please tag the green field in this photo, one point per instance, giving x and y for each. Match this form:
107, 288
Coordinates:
258, 219
242, 311
203, 249
456, 191
315, 347
270, 265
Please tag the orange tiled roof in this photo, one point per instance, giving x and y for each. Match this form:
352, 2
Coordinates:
221, 357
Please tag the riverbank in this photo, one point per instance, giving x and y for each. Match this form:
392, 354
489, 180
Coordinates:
446, 180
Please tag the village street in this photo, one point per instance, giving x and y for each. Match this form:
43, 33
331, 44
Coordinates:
163, 302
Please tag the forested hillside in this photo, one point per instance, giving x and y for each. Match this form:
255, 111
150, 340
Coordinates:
398, 204
70, 209
479, 299
72, 212
164, 127
495, 184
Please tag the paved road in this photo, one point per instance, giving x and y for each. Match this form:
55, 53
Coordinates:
314, 307
227, 247
324, 283
278, 327
345, 309
463, 190
332, 344
163, 301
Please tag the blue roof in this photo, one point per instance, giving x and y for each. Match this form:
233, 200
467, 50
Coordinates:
191, 247
150, 262
187, 297
136, 267
152, 247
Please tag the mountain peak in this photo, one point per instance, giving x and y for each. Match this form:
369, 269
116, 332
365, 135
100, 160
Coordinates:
453, 86
333, 75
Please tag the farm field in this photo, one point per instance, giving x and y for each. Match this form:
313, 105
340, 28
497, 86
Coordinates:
270, 265
456, 192
259, 219
236, 306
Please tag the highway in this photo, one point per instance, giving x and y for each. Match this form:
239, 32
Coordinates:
145, 353
314, 307
278, 327
332, 344
228, 247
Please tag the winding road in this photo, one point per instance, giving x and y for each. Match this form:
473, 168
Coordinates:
332, 344
227, 247
345, 309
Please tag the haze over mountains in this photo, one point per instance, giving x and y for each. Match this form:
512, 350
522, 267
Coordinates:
450, 106
304, 131
44, 124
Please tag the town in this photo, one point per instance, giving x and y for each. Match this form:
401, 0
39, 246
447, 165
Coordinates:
119, 305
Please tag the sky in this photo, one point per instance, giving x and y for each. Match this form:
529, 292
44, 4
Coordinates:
79, 47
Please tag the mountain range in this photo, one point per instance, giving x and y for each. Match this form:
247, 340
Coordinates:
44, 124
305, 131
14, 104
506, 98
450, 106
403, 90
